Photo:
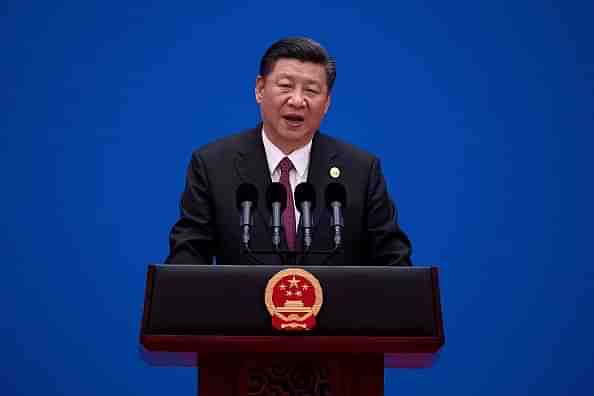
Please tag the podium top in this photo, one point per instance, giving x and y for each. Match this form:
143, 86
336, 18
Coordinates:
229, 301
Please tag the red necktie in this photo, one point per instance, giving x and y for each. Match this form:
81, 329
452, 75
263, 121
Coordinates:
289, 214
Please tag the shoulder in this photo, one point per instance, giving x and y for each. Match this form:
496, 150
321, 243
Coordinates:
228, 145
343, 148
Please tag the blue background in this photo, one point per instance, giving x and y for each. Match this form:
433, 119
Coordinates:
482, 113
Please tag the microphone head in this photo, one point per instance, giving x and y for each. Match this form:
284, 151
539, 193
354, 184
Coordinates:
247, 192
276, 192
305, 192
335, 192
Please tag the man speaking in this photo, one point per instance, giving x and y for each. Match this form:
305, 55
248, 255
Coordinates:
293, 90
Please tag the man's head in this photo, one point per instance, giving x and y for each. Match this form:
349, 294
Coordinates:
293, 91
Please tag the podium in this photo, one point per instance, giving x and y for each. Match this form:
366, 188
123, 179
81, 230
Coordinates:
214, 317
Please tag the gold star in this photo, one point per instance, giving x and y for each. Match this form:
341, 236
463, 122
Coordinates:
298, 293
289, 293
294, 282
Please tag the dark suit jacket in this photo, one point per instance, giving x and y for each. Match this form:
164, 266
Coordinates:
209, 222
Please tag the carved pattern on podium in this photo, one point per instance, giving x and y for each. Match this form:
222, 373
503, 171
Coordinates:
296, 380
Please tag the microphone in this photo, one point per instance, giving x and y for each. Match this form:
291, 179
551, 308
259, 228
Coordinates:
305, 199
247, 201
276, 200
335, 202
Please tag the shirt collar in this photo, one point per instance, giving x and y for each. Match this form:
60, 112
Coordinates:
299, 157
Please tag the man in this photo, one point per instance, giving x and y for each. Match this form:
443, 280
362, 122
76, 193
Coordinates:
293, 90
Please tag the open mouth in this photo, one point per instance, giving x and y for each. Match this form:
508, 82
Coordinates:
294, 119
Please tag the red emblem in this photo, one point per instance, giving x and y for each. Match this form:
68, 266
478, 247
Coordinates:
293, 298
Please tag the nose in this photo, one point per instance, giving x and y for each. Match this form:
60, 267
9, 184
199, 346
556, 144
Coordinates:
297, 99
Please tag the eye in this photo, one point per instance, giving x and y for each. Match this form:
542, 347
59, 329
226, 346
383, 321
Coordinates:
284, 84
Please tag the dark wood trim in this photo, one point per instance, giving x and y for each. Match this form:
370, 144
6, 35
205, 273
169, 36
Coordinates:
222, 375
191, 359
307, 344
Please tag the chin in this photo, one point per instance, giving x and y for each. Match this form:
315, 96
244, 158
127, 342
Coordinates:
295, 136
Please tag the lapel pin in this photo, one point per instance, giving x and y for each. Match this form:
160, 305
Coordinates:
334, 172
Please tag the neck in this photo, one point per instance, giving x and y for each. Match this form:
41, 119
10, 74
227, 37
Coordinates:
284, 146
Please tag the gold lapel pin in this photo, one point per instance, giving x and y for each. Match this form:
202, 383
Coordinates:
334, 172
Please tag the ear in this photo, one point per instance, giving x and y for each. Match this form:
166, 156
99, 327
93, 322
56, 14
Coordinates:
328, 100
259, 89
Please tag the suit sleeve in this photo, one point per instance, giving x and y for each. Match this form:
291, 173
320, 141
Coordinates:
191, 240
387, 244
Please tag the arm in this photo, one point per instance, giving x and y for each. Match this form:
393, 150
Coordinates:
191, 240
387, 244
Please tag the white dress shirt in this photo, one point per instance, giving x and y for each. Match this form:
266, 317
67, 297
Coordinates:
300, 160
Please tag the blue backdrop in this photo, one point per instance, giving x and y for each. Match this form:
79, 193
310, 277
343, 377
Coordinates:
482, 113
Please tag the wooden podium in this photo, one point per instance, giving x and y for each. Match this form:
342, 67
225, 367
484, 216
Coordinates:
214, 317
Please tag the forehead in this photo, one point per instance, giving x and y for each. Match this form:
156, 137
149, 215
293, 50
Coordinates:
294, 68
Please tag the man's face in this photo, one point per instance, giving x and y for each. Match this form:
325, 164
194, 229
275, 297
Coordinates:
293, 99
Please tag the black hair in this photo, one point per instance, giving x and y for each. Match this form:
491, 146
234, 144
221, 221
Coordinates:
300, 48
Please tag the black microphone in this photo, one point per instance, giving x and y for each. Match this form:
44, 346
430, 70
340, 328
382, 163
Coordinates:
276, 200
247, 201
335, 202
305, 199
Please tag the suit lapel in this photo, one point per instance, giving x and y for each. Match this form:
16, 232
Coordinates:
252, 167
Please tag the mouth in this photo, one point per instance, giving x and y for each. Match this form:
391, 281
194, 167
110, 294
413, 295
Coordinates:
294, 120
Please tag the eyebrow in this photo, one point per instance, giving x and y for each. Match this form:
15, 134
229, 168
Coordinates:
290, 77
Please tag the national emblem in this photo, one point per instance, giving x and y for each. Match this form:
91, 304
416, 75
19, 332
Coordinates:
293, 298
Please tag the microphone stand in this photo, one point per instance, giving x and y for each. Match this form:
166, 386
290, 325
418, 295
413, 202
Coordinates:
250, 255
332, 253
284, 259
